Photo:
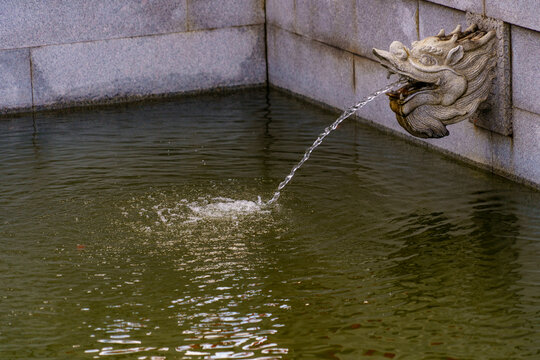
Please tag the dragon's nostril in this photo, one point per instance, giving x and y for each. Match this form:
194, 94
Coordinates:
398, 50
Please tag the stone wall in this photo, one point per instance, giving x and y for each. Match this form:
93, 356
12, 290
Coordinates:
322, 50
55, 53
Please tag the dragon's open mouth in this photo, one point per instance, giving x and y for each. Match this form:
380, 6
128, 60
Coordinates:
412, 85
410, 88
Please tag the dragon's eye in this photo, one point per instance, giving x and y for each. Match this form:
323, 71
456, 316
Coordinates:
427, 60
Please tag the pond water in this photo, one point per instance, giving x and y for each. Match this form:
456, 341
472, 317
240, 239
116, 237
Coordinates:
133, 232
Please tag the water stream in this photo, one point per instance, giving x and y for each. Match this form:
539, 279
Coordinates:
345, 115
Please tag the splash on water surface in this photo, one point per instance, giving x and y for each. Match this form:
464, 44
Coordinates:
223, 208
174, 212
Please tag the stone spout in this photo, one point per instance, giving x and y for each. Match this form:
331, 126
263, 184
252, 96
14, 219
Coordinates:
448, 77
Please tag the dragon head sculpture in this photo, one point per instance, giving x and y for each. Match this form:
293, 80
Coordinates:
448, 76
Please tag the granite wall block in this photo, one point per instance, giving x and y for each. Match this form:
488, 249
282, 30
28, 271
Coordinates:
97, 71
281, 13
15, 85
468, 141
526, 69
475, 6
381, 22
331, 22
433, 17
357, 25
520, 155
210, 14
43, 22
310, 68
525, 13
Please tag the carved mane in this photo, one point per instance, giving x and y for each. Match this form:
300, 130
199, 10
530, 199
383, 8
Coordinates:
476, 65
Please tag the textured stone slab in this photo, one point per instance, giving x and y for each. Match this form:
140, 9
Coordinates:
381, 22
310, 68
520, 155
495, 113
15, 85
332, 22
210, 14
526, 69
525, 13
468, 141
42, 22
281, 13
433, 18
357, 25
475, 6
97, 71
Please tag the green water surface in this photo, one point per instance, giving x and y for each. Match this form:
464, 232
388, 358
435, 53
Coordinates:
133, 232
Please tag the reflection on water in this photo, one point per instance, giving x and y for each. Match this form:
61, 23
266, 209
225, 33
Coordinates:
136, 232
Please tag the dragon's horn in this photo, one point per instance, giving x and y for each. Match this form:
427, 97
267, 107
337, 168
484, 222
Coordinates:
476, 43
457, 30
472, 28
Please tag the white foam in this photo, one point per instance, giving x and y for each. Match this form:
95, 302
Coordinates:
180, 213
223, 208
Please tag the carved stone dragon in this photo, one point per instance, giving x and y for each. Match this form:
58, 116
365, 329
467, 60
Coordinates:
448, 76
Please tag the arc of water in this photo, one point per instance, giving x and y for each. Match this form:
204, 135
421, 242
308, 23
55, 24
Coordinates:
346, 114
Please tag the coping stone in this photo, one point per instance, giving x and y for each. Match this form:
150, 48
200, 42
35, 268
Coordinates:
525, 13
475, 6
45, 22
310, 68
520, 155
281, 13
15, 84
434, 17
526, 69
99, 71
211, 14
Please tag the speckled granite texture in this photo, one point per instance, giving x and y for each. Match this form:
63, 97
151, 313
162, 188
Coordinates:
95, 71
15, 86
56, 53
45, 22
